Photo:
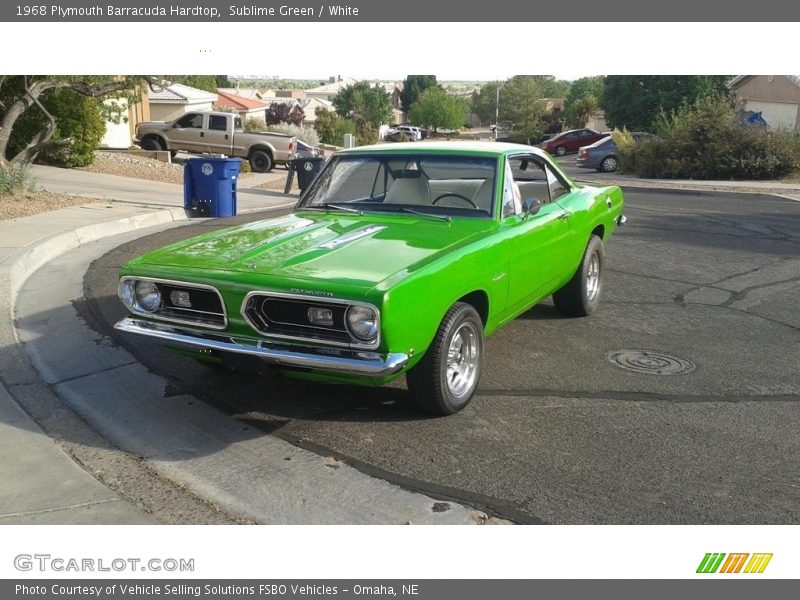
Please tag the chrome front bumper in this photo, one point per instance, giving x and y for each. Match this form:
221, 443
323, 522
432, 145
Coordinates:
622, 219
352, 362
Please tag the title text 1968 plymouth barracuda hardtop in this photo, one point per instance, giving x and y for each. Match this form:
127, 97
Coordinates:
397, 259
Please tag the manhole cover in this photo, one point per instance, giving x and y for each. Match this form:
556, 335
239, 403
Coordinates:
651, 362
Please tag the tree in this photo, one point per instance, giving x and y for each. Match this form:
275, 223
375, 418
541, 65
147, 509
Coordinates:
437, 109
552, 87
413, 87
522, 107
582, 109
331, 127
77, 117
634, 101
282, 112
484, 101
362, 104
582, 87
20, 94
223, 81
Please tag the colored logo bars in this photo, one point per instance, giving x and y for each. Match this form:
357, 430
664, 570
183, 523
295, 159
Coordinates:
734, 562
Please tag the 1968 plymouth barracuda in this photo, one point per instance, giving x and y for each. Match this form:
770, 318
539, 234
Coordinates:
397, 259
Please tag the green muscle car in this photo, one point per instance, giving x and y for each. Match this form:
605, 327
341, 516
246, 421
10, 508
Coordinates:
397, 259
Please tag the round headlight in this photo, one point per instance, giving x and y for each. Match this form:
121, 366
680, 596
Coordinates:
147, 296
362, 322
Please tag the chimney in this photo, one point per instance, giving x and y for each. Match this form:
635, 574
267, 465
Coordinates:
339, 77
331, 79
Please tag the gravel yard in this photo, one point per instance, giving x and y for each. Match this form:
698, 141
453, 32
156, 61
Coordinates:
23, 204
140, 167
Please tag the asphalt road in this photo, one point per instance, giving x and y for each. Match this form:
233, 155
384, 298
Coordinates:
557, 432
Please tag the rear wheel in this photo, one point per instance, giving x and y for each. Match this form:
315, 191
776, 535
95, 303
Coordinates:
561, 151
581, 295
609, 164
444, 381
260, 161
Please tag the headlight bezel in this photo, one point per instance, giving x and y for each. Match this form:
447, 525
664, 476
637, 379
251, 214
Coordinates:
370, 315
126, 291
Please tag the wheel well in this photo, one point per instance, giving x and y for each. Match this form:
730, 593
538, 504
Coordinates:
599, 231
156, 137
262, 148
479, 301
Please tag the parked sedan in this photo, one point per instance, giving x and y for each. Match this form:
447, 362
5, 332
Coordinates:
603, 155
571, 141
398, 259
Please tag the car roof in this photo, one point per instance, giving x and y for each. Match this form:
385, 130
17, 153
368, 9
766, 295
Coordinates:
490, 148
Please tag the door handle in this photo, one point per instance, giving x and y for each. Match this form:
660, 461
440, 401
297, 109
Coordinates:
565, 215
226, 137
202, 134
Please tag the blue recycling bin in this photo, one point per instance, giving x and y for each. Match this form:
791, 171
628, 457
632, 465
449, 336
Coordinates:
209, 186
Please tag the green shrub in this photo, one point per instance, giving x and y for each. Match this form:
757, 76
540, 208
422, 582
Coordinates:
77, 117
332, 128
366, 135
307, 135
704, 142
255, 125
17, 180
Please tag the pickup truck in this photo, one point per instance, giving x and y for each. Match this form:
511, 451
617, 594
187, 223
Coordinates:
216, 133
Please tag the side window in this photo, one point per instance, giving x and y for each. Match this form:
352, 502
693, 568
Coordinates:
556, 187
218, 122
531, 178
190, 121
512, 198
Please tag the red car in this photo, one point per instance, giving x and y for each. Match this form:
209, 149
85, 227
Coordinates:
570, 141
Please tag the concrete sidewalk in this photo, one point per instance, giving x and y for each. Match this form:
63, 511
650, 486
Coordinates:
41, 482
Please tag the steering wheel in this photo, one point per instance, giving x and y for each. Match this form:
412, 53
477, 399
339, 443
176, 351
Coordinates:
454, 195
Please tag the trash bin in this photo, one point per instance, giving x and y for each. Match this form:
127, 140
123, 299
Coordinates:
209, 186
307, 169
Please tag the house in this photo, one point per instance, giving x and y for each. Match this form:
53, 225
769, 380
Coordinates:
330, 89
597, 121
775, 97
177, 99
261, 94
247, 108
120, 135
293, 94
310, 106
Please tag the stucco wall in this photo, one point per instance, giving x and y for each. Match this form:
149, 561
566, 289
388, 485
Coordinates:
168, 112
774, 96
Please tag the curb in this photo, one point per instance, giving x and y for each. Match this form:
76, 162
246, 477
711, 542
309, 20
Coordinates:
35, 256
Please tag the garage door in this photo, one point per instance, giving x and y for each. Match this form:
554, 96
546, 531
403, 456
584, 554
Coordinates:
778, 115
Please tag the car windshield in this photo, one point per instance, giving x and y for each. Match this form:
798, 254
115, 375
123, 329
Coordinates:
415, 183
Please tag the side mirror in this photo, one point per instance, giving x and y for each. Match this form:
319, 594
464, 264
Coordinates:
531, 206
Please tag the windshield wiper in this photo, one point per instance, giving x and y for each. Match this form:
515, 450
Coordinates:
337, 206
424, 214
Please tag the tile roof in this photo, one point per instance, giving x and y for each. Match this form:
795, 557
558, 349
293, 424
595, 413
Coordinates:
177, 93
238, 102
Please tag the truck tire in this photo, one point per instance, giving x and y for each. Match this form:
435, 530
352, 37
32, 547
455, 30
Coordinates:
151, 144
260, 161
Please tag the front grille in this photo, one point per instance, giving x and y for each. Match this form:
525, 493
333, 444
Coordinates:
206, 306
288, 317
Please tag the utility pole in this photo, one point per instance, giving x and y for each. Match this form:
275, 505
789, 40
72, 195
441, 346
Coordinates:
497, 113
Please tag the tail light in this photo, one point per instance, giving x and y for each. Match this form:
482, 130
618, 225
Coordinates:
292, 145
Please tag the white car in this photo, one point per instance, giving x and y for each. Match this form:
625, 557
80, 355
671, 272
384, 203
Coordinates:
413, 133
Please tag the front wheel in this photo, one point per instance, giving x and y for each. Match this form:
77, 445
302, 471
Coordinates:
151, 144
580, 297
561, 151
260, 161
444, 381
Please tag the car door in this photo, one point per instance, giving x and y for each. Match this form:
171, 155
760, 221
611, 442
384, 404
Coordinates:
536, 239
186, 133
217, 137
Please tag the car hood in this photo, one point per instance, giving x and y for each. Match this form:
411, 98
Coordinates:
355, 250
